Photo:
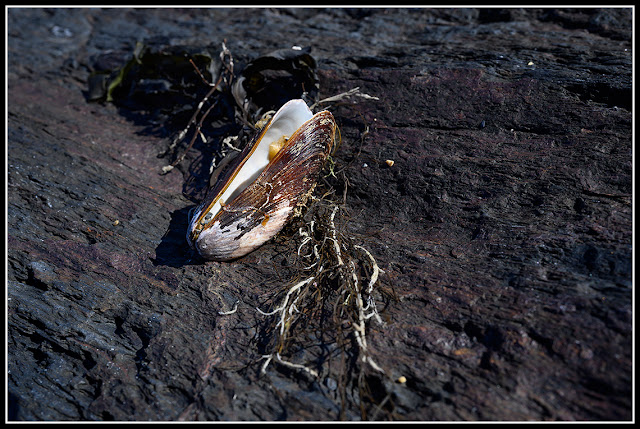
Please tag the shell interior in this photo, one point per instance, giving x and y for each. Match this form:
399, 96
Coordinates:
285, 122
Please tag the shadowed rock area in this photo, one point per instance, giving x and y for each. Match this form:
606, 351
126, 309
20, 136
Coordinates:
503, 227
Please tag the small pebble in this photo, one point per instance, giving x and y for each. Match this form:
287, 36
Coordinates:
331, 383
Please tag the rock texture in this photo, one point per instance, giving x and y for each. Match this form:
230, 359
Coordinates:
503, 226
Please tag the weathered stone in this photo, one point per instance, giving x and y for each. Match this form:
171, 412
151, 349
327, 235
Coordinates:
503, 226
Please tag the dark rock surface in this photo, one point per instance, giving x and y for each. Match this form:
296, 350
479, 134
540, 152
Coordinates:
504, 226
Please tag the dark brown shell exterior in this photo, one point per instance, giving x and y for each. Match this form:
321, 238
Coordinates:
262, 209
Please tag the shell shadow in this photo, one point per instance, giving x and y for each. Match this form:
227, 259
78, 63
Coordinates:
173, 250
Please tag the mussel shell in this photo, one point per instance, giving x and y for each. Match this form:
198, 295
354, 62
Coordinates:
262, 209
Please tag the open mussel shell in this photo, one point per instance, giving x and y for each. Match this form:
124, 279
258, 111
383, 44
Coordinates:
256, 193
